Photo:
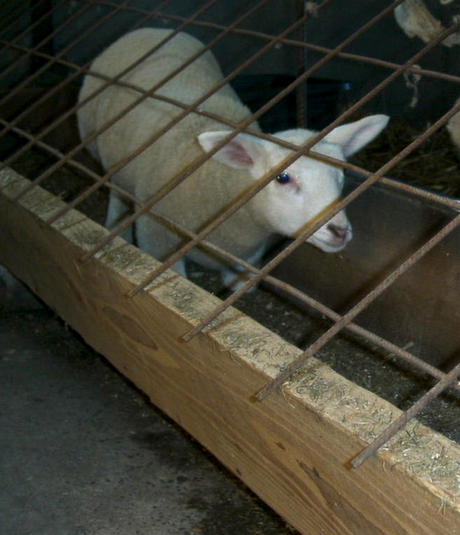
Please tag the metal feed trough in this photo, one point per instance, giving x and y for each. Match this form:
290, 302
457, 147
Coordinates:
395, 286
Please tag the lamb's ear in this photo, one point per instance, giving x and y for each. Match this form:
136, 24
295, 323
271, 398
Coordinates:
241, 152
354, 136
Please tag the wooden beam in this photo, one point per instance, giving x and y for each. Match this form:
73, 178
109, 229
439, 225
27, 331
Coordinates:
294, 448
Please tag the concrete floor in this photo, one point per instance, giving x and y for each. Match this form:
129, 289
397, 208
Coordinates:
82, 452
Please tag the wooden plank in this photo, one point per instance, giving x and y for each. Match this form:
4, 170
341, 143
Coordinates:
294, 448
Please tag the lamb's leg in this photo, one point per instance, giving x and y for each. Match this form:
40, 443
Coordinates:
180, 267
119, 209
236, 276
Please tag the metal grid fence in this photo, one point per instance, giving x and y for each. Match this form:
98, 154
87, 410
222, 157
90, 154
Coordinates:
31, 38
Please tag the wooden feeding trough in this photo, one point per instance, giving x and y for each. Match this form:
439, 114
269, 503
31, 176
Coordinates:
327, 454
294, 448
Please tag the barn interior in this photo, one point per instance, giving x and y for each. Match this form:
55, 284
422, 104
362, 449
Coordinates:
354, 62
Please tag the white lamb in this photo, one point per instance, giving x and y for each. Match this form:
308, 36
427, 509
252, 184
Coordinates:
286, 206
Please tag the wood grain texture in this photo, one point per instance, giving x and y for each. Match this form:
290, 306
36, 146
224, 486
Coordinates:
293, 449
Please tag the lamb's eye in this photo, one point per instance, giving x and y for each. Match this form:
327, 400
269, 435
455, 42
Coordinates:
284, 178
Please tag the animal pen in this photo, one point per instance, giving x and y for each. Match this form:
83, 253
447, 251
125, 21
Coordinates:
332, 389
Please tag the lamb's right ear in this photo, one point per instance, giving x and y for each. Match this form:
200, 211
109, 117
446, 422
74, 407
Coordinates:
241, 152
354, 136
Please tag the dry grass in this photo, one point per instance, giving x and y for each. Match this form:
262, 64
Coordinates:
434, 165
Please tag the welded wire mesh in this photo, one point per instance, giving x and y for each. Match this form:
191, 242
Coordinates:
47, 47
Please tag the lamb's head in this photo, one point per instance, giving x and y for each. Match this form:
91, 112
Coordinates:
304, 192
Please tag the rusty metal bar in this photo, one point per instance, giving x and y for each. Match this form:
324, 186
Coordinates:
301, 93
180, 177
41, 14
404, 419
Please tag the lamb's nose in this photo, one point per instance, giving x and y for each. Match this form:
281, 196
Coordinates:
338, 232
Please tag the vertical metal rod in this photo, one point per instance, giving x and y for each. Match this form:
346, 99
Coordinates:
301, 93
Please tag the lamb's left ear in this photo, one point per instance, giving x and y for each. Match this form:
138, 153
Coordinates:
241, 152
354, 136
